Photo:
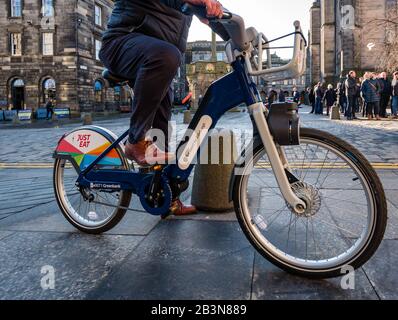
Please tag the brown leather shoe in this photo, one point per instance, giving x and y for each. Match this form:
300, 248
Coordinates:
145, 153
179, 209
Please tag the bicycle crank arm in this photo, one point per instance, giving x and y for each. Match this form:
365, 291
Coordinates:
257, 111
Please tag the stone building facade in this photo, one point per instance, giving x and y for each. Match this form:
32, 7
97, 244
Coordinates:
50, 50
205, 62
344, 37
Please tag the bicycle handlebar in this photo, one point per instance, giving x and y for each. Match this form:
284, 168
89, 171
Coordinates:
201, 12
250, 40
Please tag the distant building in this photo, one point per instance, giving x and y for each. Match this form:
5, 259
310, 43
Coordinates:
197, 52
287, 84
205, 61
50, 48
202, 51
343, 37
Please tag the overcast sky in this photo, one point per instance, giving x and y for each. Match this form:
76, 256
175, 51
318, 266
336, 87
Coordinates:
272, 17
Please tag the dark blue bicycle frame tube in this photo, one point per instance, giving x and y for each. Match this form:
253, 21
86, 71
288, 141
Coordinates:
223, 95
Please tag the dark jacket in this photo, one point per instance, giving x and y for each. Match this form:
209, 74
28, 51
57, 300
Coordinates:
371, 90
282, 97
311, 96
272, 97
49, 105
386, 87
351, 87
318, 92
394, 86
330, 97
160, 19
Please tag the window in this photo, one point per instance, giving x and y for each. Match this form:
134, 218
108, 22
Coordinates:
48, 44
16, 44
47, 8
98, 91
98, 45
221, 56
98, 15
48, 90
16, 8
117, 93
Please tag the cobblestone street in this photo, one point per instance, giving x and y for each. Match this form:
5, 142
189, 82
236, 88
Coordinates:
202, 257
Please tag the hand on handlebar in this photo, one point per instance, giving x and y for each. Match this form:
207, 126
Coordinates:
213, 8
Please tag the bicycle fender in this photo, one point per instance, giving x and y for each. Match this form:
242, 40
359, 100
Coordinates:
83, 145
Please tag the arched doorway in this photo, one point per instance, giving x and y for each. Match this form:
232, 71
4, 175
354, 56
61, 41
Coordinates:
48, 90
18, 94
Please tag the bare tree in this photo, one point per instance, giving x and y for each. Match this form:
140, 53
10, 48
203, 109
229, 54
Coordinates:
389, 56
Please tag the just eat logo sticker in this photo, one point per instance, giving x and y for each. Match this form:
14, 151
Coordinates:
84, 140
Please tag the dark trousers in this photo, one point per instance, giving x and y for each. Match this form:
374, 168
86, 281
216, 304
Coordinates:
150, 65
351, 107
50, 113
312, 107
372, 108
384, 101
318, 105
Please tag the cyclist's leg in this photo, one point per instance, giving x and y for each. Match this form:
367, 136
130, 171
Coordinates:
151, 64
162, 119
152, 85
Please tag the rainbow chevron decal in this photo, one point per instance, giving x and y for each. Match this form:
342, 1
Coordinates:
84, 146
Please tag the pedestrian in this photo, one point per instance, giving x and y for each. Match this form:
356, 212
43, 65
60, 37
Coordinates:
272, 96
306, 94
318, 98
351, 93
340, 91
385, 94
394, 91
371, 93
296, 95
358, 100
311, 98
50, 109
365, 77
282, 96
329, 98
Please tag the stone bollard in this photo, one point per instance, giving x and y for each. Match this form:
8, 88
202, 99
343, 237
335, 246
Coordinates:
15, 119
210, 190
54, 117
335, 112
187, 117
87, 119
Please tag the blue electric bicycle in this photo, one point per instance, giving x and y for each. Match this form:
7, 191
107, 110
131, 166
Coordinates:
306, 200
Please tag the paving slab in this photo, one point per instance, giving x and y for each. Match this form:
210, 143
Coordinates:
184, 260
382, 270
272, 283
79, 262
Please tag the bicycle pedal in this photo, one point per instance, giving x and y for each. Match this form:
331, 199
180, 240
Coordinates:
150, 169
165, 216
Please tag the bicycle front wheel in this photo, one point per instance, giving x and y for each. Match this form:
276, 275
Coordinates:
346, 211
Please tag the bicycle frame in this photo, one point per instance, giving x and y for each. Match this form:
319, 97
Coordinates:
223, 95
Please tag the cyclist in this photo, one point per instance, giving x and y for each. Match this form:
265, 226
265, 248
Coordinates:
143, 43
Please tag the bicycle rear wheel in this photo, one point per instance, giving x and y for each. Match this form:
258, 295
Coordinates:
346, 211
92, 211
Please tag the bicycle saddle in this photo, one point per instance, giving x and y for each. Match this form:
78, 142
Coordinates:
113, 80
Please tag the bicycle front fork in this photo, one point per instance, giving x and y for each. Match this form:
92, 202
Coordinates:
278, 166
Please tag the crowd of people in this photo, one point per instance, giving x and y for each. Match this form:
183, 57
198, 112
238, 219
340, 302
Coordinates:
371, 95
